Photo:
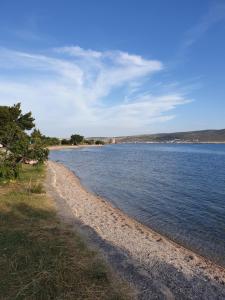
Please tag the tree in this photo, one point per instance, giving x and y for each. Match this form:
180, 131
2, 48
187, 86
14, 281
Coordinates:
13, 125
46, 140
37, 150
76, 139
14, 128
36, 135
51, 141
66, 142
89, 142
99, 142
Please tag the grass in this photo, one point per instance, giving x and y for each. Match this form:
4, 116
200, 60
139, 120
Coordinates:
42, 258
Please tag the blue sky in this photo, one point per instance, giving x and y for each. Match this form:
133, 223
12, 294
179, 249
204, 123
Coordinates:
115, 67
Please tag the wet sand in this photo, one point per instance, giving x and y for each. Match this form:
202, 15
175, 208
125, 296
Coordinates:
156, 266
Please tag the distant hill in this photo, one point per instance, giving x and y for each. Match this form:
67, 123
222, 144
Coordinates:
202, 136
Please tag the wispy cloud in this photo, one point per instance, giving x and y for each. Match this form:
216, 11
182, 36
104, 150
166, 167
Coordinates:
94, 92
215, 14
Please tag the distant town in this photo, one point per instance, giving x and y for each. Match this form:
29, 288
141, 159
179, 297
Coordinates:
202, 136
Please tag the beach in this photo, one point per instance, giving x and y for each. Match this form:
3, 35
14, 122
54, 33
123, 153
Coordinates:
157, 267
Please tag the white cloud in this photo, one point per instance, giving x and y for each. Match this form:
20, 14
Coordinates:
71, 89
78, 51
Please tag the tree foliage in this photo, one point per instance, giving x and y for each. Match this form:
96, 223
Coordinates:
76, 139
66, 142
13, 125
99, 142
18, 145
89, 142
37, 149
46, 140
51, 141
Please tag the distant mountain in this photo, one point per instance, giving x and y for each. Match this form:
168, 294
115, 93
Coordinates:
202, 136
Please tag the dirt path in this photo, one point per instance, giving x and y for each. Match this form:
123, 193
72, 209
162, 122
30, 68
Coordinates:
159, 268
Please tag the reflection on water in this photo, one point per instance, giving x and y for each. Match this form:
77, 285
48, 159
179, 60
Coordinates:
178, 190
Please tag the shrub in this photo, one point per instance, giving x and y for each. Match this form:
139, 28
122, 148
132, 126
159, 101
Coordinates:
65, 142
89, 142
8, 168
37, 152
98, 142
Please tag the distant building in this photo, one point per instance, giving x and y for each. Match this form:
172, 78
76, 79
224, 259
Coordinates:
112, 141
107, 140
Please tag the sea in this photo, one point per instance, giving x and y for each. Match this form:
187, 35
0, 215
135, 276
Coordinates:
177, 190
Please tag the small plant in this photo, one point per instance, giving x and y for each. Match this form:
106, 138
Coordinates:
35, 188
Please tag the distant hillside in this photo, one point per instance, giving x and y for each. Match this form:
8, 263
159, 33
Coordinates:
202, 136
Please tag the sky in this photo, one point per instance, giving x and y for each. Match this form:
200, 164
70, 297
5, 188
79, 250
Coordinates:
114, 67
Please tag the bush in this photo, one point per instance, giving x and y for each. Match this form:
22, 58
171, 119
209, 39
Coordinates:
65, 142
98, 142
89, 142
9, 169
37, 152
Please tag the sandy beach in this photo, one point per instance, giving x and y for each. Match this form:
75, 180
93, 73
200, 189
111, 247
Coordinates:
156, 266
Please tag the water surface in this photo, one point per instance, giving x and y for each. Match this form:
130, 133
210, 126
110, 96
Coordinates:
177, 190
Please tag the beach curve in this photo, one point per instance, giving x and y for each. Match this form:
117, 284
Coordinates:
170, 271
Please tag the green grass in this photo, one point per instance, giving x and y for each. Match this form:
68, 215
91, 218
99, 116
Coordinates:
41, 258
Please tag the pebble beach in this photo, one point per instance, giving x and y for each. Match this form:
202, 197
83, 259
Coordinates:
161, 269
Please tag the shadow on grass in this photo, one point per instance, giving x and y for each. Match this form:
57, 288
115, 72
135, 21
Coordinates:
42, 259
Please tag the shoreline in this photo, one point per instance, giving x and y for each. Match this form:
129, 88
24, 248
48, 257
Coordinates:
155, 255
63, 147
170, 143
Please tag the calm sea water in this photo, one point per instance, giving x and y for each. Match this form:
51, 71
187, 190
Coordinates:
178, 190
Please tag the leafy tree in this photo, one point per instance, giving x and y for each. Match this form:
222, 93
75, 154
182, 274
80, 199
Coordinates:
36, 135
99, 142
8, 167
14, 128
76, 139
37, 150
46, 140
66, 142
51, 141
13, 125
89, 142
